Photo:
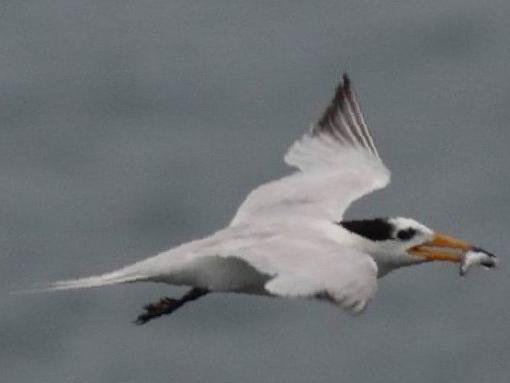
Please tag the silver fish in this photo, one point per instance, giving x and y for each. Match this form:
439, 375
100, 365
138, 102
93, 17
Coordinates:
477, 256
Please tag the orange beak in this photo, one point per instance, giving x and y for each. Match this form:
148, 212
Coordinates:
442, 248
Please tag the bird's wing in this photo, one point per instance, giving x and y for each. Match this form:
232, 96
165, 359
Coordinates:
337, 163
314, 268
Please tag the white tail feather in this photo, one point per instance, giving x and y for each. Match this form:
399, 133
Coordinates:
113, 278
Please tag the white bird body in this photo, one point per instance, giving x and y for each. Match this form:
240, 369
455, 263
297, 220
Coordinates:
288, 239
250, 259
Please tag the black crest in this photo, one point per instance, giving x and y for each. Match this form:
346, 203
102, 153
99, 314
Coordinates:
377, 229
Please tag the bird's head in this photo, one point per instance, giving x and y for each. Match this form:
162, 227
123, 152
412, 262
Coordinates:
404, 241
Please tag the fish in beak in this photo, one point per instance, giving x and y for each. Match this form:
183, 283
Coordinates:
445, 248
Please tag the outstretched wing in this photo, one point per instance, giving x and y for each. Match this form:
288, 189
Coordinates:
337, 163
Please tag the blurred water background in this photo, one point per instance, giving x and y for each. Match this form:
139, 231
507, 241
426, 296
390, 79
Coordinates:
129, 127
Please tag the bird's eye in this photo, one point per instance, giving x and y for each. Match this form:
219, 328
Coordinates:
406, 234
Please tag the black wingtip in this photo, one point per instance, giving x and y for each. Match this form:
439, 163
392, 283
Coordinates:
342, 91
346, 81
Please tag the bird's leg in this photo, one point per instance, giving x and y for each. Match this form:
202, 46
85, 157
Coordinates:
169, 305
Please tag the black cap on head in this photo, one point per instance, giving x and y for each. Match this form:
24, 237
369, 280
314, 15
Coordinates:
377, 229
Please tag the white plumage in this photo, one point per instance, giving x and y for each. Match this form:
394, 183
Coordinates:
285, 239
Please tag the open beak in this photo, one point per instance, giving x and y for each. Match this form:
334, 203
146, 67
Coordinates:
442, 248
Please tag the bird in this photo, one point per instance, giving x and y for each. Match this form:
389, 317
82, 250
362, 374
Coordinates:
288, 239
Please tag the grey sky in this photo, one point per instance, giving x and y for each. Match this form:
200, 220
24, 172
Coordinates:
128, 127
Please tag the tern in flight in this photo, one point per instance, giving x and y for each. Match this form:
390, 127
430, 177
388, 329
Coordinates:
288, 238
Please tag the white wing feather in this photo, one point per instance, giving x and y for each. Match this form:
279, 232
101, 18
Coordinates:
337, 163
328, 271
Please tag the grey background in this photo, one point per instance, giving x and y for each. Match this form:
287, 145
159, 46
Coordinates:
129, 127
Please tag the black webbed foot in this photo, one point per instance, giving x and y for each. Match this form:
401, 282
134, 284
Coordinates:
165, 306
168, 305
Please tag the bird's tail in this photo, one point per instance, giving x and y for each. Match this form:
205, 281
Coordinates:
113, 278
